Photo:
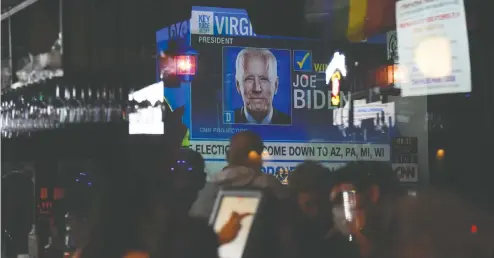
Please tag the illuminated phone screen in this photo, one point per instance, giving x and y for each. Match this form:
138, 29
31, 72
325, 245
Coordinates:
241, 205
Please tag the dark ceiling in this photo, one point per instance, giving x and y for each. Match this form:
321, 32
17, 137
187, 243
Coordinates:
8, 4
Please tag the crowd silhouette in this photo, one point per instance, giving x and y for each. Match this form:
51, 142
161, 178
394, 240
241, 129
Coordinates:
158, 205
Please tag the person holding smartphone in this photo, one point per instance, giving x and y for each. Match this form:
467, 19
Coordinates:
361, 211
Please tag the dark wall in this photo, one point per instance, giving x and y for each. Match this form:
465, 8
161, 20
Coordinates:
468, 137
112, 39
106, 40
116, 39
36, 27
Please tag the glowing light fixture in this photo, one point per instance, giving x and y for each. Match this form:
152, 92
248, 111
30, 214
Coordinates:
440, 154
433, 56
178, 64
473, 229
186, 64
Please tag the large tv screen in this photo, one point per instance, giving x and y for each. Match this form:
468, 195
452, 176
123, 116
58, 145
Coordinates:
276, 87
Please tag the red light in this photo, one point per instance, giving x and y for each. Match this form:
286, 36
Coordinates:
46, 205
43, 194
473, 229
186, 65
58, 193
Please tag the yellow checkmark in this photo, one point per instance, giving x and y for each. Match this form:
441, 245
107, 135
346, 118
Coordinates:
301, 63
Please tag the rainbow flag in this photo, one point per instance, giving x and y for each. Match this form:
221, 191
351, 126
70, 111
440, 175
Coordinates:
356, 20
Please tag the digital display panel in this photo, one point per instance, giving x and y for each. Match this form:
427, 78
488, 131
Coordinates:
276, 87
246, 208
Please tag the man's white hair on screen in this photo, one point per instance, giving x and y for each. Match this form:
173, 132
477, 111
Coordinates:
264, 54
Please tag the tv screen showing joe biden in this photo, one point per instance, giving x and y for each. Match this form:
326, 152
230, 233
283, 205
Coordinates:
256, 86
273, 86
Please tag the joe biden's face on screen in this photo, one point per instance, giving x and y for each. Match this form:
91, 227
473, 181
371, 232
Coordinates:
257, 83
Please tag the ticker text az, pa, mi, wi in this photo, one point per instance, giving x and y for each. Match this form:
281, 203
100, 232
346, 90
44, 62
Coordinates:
302, 151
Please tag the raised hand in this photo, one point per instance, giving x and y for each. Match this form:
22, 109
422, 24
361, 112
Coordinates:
230, 230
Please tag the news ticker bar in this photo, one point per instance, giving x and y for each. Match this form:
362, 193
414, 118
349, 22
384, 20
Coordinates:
285, 151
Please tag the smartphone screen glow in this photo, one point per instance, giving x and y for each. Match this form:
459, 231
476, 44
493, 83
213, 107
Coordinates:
240, 205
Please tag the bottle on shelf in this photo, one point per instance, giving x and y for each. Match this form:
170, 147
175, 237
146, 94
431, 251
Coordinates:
89, 105
50, 112
104, 106
97, 107
114, 110
3, 116
74, 107
33, 113
21, 115
122, 104
59, 108
66, 107
43, 118
82, 107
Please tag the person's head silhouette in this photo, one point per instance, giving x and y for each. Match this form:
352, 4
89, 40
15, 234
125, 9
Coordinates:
246, 150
